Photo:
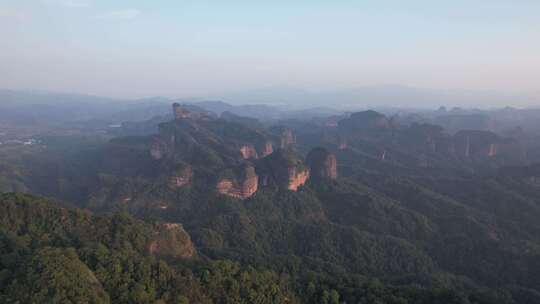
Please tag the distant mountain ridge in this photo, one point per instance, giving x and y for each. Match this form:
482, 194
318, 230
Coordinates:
377, 96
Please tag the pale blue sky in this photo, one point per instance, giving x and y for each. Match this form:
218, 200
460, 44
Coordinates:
194, 47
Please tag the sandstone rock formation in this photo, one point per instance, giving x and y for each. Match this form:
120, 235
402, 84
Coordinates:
297, 178
284, 169
171, 240
285, 136
322, 164
207, 147
474, 144
241, 185
267, 149
248, 151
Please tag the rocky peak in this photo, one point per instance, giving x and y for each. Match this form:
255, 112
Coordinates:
267, 148
239, 183
285, 169
248, 151
297, 178
475, 144
322, 164
285, 136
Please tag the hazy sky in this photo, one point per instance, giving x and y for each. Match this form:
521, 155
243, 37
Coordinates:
128, 48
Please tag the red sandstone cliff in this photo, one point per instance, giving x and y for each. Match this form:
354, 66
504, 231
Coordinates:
248, 151
284, 169
242, 187
322, 164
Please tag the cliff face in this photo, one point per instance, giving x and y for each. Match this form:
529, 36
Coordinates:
248, 151
485, 144
172, 241
267, 148
284, 169
322, 164
198, 139
287, 138
297, 178
242, 186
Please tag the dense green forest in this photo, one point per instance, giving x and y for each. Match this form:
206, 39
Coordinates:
139, 219
54, 255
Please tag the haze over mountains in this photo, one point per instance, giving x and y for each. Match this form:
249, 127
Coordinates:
314, 205
378, 96
269, 152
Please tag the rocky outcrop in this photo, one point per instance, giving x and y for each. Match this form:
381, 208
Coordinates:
210, 145
474, 144
297, 178
322, 164
241, 185
171, 240
200, 140
284, 169
267, 149
287, 138
248, 151
284, 136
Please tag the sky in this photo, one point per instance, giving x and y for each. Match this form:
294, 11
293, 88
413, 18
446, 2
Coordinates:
179, 48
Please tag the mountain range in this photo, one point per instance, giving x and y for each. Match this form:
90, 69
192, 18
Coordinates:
202, 206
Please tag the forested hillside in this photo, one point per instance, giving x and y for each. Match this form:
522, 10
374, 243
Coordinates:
221, 210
